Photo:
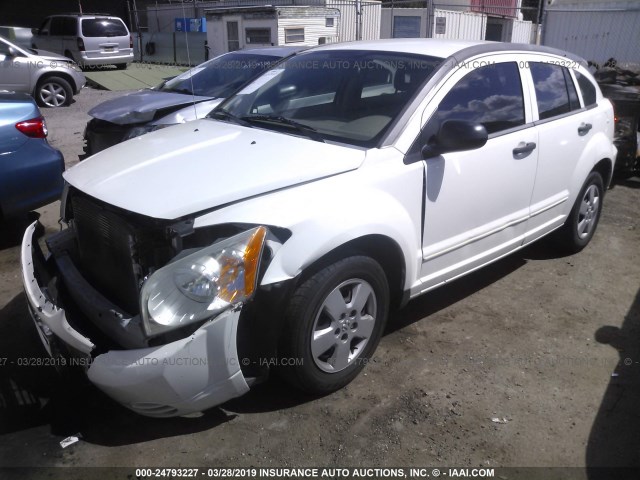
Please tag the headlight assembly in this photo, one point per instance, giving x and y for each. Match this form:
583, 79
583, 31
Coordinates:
203, 284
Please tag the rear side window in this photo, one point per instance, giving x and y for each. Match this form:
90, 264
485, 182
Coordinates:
57, 26
587, 89
490, 95
69, 26
552, 94
103, 27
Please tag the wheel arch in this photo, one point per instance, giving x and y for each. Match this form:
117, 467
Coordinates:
380, 248
605, 168
63, 75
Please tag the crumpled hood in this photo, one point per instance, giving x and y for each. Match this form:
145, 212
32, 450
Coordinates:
140, 106
196, 166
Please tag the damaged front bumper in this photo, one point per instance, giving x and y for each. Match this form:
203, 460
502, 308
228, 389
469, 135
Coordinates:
185, 376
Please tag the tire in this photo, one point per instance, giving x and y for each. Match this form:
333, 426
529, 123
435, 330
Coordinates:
53, 92
582, 222
350, 333
122, 66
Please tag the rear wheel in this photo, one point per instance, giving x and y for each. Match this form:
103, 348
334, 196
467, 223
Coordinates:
121, 66
581, 224
53, 92
333, 324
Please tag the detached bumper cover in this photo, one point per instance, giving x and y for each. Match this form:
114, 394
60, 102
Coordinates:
185, 376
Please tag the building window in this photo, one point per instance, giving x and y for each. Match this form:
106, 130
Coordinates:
293, 35
329, 22
258, 35
406, 27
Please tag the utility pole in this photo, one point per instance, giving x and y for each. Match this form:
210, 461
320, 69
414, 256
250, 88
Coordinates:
137, 22
539, 23
358, 19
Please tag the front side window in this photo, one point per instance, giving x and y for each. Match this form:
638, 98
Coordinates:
45, 27
490, 95
293, 35
348, 96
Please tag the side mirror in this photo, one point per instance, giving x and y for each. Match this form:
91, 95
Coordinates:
12, 52
35, 31
456, 136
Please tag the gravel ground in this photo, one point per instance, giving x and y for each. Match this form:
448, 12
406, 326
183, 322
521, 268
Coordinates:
546, 345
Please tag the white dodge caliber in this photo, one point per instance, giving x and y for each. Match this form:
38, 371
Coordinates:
279, 231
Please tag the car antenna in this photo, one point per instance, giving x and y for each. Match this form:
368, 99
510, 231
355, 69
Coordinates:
186, 39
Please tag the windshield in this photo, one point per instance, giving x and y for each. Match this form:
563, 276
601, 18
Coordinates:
348, 96
221, 76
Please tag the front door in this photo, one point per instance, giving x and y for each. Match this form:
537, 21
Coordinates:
476, 203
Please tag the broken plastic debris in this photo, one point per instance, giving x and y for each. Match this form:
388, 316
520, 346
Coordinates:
499, 420
70, 440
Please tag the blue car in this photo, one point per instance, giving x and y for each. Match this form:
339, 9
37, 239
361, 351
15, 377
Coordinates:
30, 168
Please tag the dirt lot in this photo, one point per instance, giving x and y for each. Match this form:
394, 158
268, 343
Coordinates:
548, 345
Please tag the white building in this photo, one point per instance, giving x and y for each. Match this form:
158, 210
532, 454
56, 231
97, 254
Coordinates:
363, 22
235, 28
498, 20
594, 29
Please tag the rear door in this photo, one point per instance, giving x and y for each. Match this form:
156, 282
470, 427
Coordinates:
69, 37
564, 129
56, 35
476, 203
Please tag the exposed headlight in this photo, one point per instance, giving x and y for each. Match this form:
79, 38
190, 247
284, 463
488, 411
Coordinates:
141, 130
202, 285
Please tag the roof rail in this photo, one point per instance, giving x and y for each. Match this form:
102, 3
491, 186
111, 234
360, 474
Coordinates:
83, 14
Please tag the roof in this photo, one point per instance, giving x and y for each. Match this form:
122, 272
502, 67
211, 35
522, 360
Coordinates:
275, 51
460, 49
422, 46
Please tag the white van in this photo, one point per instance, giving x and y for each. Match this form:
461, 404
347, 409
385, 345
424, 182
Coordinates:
89, 39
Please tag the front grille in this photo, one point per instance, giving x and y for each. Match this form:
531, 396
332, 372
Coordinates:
101, 134
115, 251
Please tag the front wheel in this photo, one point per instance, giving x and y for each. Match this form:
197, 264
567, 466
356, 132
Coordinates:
585, 214
53, 92
333, 324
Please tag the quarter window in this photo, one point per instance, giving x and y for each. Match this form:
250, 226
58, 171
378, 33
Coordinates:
57, 26
587, 89
490, 95
293, 35
571, 88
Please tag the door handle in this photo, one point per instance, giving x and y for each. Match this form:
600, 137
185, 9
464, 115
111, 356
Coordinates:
584, 128
523, 151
